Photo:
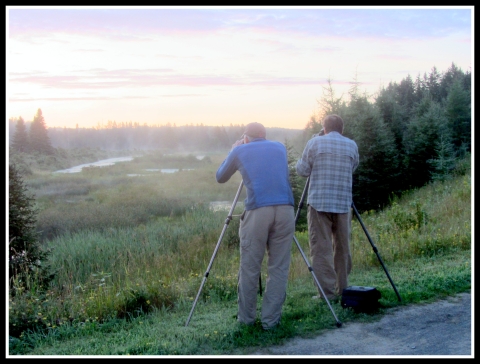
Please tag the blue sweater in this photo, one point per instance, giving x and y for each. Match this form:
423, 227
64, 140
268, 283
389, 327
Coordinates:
263, 165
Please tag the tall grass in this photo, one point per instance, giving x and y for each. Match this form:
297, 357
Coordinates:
140, 247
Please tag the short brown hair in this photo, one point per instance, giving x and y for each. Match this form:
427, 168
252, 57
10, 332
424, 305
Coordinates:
255, 130
333, 122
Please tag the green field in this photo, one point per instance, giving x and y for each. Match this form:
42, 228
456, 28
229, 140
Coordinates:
130, 253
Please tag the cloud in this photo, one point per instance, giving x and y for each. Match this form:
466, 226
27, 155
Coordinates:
96, 98
134, 22
113, 79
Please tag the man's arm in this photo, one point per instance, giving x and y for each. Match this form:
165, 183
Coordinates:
227, 168
356, 160
303, 166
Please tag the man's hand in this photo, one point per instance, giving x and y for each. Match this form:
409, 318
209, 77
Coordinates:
237, 143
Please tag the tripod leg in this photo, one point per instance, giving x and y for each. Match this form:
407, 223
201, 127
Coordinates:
302, 199
375, 250
316, 281
227, 221
300, 204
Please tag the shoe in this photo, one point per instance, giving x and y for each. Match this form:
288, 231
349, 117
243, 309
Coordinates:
335, 299
330, 299
270, 328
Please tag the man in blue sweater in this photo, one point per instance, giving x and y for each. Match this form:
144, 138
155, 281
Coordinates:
267, 223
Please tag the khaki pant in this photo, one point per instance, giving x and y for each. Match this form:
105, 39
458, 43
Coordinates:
267, 229
329, 235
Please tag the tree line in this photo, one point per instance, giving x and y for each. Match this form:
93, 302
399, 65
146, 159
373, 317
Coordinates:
129, 136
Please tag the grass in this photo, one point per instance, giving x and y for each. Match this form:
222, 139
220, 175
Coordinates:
128, 270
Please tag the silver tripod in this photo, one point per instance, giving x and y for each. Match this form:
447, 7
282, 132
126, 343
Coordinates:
227, 221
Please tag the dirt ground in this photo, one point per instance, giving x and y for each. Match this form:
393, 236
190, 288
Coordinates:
443, 328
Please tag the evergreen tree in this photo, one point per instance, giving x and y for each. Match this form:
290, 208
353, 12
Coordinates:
449, 77
406, 94
424, 130
420, 89
458, 113
39, 140
444, 163
393, 112
433, 84
27, 260
330, 104
20, 138
377, 175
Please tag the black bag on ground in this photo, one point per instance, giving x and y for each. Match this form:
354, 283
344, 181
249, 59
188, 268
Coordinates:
361, 299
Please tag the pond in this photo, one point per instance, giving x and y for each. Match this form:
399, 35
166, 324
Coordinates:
214, 205
112, 161
163, 170
101, 163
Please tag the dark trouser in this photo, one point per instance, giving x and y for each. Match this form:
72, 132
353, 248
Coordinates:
329, 235
268, 228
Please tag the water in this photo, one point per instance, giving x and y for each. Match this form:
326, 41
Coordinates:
214, 205
164, 170
101, 163
222, 205
112, 161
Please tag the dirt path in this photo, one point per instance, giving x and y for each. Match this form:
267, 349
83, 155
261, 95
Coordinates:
443, 328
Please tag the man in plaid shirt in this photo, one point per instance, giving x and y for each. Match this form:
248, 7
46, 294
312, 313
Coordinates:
329, 161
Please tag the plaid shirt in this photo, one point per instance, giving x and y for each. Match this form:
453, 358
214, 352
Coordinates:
329, 161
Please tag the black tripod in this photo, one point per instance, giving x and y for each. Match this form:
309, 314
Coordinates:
364, 229
300, 205
375, 250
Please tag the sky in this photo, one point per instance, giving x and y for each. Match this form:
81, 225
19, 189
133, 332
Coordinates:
86, 66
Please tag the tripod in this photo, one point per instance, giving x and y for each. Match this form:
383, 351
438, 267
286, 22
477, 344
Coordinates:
364, 229
227, 221
375, 250
297, 215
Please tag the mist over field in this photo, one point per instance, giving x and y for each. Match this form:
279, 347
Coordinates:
133, 136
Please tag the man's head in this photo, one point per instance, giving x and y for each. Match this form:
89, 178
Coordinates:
255, 130
333, 122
